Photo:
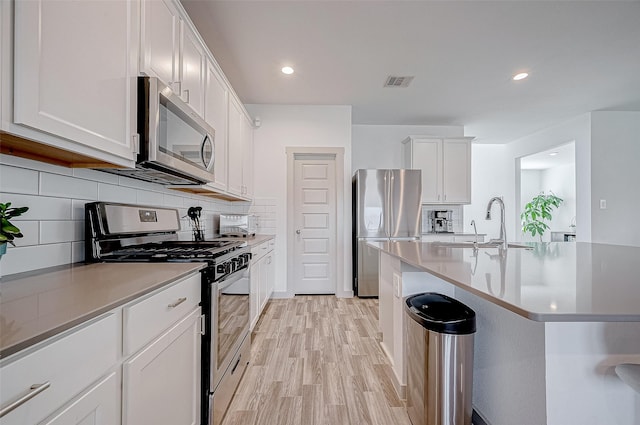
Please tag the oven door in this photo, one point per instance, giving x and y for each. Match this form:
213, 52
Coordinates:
230, 301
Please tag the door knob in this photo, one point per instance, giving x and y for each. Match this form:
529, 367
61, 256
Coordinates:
298, 232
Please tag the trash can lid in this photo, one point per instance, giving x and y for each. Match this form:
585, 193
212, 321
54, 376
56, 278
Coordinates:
440, 313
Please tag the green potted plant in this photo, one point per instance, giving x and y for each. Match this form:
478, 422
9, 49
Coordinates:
8, 232
537, 211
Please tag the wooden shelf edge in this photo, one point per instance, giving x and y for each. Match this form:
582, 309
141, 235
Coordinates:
17, 146
204, 190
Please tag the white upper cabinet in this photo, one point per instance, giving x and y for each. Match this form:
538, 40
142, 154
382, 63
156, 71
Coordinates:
235, 148
240, 163
160, 41
192, 66
247, 157
172, 52
445, 166
216, 98
74, 73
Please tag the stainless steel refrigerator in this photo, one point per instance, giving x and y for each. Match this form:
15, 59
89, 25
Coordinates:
386, 206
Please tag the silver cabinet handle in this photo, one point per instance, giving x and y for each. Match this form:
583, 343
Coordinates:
298, 232
177, 303
34, 390
186, 96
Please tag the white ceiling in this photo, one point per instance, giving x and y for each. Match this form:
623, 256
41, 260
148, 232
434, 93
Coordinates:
562, 155
581, 56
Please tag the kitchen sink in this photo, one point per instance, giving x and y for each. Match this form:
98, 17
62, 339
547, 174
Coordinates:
480, 245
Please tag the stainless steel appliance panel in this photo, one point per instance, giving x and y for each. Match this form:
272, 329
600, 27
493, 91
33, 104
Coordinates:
386, 206
219, 401
404, 205
368, 263
371, 203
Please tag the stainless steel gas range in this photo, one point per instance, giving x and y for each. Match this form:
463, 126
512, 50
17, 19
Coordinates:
126, 233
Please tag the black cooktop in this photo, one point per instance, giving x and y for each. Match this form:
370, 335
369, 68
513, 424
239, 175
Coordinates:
174, 251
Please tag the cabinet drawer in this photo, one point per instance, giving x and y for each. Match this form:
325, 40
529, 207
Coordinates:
69, 364
145, 320
258, 251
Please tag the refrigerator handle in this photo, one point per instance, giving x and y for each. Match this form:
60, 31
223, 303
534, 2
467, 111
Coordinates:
390, 209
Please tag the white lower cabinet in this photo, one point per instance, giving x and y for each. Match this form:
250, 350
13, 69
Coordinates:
161, 383
262, 279
48, 377
85, 376
99, 405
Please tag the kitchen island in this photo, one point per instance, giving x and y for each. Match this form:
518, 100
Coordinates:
553, 321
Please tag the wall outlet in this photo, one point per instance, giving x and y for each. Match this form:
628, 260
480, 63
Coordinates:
397, 291
603, 204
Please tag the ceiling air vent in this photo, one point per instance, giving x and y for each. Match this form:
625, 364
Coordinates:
398, 81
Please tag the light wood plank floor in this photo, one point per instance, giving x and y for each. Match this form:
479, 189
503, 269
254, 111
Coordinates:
316, 360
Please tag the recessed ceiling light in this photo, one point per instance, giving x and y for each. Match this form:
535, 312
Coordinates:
520, 76
287, 70
553, 154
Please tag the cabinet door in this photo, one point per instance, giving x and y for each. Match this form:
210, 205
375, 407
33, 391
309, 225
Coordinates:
160, 41
247, 157
264, 278
192, 71
235, 148
426, 157
457, 171
254, 294
216, 99
270, 276
74, 71
99, 405
161, 384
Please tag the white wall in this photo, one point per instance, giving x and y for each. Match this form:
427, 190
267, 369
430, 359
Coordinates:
577, 129
561, 180
53, 227
615, 177
489, 178
308, 126
379, 146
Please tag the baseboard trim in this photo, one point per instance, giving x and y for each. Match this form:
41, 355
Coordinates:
281, 294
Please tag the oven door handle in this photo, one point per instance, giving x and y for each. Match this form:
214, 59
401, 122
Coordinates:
231, 279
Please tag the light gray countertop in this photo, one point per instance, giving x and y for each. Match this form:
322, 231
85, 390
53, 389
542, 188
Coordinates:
552, 282
253, 240
37, 305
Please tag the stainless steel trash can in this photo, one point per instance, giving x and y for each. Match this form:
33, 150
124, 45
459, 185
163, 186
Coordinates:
439, 336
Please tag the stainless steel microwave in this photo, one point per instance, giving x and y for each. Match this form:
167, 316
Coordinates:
176, 145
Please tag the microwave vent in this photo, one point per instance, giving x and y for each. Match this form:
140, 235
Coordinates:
393, 81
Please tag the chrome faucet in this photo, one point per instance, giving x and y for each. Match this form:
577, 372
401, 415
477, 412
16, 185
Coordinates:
473, 223
503, 233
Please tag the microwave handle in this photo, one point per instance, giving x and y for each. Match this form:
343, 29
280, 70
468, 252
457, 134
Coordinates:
207, 164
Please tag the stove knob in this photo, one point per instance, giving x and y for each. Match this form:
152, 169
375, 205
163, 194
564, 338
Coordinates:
220, 268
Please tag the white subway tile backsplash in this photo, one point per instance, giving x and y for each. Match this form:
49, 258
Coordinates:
18, 180
18, 260
34, 165
95, 175
173, 201
30, 231
77, 209
77, 252
67, 187
54, 225
61, 231
40, 207
147, 197
113, 193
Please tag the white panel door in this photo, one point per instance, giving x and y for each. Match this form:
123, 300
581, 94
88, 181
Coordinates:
456, 171
426, 157
315, 226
